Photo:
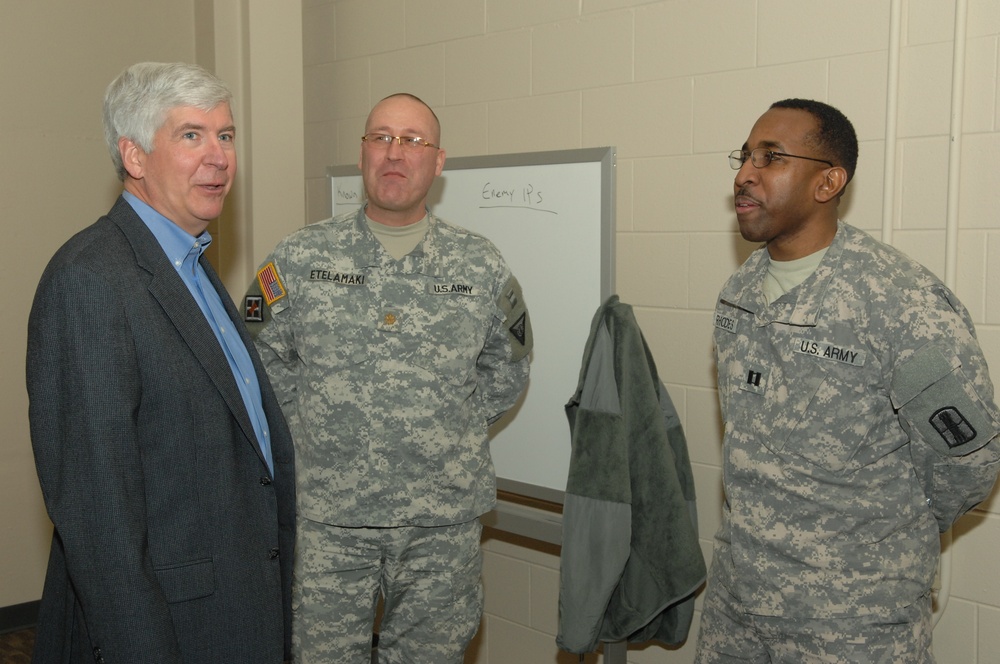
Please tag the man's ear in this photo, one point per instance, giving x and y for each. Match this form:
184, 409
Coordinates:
439, 165
833, 183
133, 157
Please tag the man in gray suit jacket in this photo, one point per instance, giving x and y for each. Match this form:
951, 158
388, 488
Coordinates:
164, 461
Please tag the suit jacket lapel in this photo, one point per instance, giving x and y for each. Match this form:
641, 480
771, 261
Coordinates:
169, 290
238, 325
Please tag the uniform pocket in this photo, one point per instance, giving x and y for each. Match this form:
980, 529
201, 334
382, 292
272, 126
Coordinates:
834, 426
447, 337
821, 412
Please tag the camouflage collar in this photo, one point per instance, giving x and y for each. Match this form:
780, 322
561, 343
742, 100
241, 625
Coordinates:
423, 259
801, 306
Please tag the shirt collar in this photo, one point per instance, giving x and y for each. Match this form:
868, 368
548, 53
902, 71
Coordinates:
423, 259
804, 309
177, 243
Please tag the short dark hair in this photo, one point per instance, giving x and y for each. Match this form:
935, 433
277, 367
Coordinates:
835, 138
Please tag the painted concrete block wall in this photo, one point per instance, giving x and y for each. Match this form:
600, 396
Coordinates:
676, 85
56, 58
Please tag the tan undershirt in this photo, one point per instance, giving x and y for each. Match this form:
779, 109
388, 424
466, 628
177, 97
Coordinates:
399, 240
783, 276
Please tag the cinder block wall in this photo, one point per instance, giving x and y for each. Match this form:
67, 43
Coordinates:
676, 85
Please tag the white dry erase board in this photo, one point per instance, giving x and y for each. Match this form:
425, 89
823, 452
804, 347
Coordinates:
551, 214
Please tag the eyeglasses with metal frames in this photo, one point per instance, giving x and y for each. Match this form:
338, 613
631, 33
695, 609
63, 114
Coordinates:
761, 158
406, 142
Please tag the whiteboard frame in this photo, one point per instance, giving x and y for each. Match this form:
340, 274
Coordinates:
605, 156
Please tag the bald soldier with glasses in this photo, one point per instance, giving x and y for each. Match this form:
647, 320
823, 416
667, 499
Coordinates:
393, 339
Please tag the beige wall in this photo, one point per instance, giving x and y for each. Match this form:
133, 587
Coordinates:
56, 59
676, 85
673, 84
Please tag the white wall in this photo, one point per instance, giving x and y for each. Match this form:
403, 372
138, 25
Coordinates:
676, 85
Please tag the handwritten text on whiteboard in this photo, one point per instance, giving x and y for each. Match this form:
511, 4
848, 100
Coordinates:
519, 196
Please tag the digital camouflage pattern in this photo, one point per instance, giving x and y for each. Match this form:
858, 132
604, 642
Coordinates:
859, 420
730, 636
389, 372
433, 608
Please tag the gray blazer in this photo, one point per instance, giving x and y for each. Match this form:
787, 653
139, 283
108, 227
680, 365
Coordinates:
172, 542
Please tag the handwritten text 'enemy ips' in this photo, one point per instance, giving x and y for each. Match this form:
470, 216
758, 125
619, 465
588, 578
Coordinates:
518, 196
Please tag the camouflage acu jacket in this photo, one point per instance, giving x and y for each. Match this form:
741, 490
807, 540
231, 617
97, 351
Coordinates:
389, 372
859, 419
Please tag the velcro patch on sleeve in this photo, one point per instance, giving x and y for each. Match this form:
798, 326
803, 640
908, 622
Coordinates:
270, 284
516, 319
931, 391
953, 427
253, 309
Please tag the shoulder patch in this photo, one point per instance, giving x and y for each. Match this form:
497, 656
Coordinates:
519, 330
270, 284
253, 309
516, 319
952, 426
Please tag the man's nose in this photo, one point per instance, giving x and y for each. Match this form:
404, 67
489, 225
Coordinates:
747, 173
218, 154
395, 149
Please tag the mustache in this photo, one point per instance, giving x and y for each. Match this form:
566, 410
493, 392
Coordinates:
743, 193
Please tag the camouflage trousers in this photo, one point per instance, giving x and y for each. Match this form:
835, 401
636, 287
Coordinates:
729, 635
429, 578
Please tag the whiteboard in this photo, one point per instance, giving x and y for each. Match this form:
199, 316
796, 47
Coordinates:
551, 215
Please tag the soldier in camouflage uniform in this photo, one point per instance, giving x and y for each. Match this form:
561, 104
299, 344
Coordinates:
393, 340
859, 418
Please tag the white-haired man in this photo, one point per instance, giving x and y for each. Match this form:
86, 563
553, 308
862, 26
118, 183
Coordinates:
165, 463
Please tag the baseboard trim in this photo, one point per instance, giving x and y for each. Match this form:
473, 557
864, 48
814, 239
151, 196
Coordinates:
19, 616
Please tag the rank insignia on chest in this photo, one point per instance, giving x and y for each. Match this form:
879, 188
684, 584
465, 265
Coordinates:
754, 379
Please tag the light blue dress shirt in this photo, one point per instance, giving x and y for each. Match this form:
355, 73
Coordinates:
183, 250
